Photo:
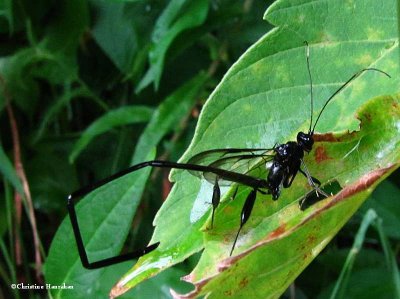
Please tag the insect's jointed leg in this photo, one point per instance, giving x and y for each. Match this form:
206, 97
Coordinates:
216, 198
287, 182
314, 180
245, 214
81, 248
235, 193
314, 183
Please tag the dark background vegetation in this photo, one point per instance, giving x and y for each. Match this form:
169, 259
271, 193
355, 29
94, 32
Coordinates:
64, 64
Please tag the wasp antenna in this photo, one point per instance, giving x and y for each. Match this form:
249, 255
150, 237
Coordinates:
311, 84
342, 87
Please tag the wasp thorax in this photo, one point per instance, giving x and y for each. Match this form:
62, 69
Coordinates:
286, 151
306, 141
283, 150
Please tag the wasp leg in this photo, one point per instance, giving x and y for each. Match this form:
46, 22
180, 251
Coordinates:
314, 183
245, 214
289, 177
81, 247
235, 193
263, 192
314, 180
215, 200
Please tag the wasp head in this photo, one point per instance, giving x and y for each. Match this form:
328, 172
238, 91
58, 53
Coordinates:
306, 141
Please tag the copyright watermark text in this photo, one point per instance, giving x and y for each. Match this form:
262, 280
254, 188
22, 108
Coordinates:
47, 286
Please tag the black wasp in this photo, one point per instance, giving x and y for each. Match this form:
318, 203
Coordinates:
227, 166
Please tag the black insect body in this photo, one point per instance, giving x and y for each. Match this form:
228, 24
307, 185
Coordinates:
223, 167
284, 167
286, 163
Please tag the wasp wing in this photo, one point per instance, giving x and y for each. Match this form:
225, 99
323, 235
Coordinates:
211, 156
232, 159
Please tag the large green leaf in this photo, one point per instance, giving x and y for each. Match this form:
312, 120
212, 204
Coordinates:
105, 215
264, 100
157, 288
104, 221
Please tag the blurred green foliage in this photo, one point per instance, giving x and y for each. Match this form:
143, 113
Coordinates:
96, 85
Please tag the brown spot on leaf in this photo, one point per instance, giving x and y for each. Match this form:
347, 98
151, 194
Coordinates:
276, 233
325, 137
321, 154
243, 283
330, 137
368, 116
228, 293
311, 239
227, 239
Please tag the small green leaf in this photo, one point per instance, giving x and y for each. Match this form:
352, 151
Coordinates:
343, 280
21, 86
370, 283
51, 177
166, 117
344, 287
385, 201
119, 117
178, 16
65, 29
7, 13
115, 33
8, 171
57, 106
23, 68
